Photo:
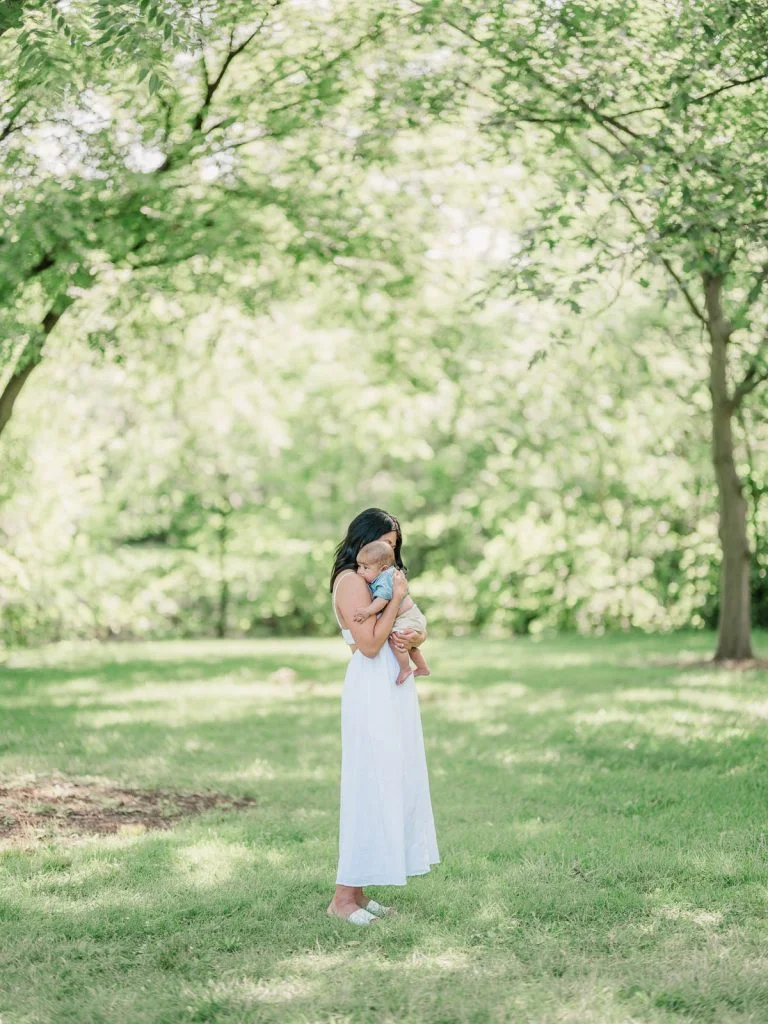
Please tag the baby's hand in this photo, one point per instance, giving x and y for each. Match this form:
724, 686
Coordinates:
361, 615
399, 585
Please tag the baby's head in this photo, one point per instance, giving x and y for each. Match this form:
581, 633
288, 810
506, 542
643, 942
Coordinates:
374, 558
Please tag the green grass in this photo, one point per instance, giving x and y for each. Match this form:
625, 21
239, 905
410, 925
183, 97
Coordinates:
602, 816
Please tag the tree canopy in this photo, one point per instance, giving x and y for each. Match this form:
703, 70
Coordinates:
498, 269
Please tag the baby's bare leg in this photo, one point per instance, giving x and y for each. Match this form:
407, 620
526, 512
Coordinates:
404, 662
422, 668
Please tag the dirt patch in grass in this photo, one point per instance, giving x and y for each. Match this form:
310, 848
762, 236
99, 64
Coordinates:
61, 809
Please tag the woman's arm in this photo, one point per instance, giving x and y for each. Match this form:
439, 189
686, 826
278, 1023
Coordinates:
376, 606
371, 635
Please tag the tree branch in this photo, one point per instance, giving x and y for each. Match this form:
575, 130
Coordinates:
13, 125
756, 374
212, 85
27, 361
697, 99
45, 262
30, 357
617, 197
754, 292
613, 119
679, 281
602, 119
238, 143
526, 118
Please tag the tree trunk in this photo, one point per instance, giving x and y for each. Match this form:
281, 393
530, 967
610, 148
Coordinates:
28, 360
221, 623
734, 640
31, 356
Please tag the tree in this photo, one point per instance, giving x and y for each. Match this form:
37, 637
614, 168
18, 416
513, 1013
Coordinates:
151, 138
661, 108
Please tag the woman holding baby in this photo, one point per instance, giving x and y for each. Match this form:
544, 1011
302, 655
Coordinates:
386, 827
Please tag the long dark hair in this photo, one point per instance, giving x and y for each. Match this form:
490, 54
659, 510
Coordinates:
365, 527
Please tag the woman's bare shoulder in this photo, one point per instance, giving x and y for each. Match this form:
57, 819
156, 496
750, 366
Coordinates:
344, 587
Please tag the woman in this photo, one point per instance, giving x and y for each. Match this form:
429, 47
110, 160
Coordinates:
386, 828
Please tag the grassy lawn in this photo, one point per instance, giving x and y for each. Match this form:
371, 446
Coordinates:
602, 816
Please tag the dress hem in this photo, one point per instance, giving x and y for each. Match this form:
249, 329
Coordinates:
380, 881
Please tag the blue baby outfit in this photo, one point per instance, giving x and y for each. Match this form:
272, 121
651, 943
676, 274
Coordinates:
382, 585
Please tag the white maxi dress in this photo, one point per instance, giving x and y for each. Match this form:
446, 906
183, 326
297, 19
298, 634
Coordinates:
386, 827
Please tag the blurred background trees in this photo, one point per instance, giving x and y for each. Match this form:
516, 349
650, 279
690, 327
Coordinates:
263, 265
661, 109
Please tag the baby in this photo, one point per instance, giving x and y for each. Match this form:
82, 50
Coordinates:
376, 564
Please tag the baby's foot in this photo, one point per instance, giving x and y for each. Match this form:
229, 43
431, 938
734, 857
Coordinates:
422, 671
404, 673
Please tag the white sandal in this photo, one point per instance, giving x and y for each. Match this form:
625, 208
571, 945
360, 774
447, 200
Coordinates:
376, 908
359, 916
